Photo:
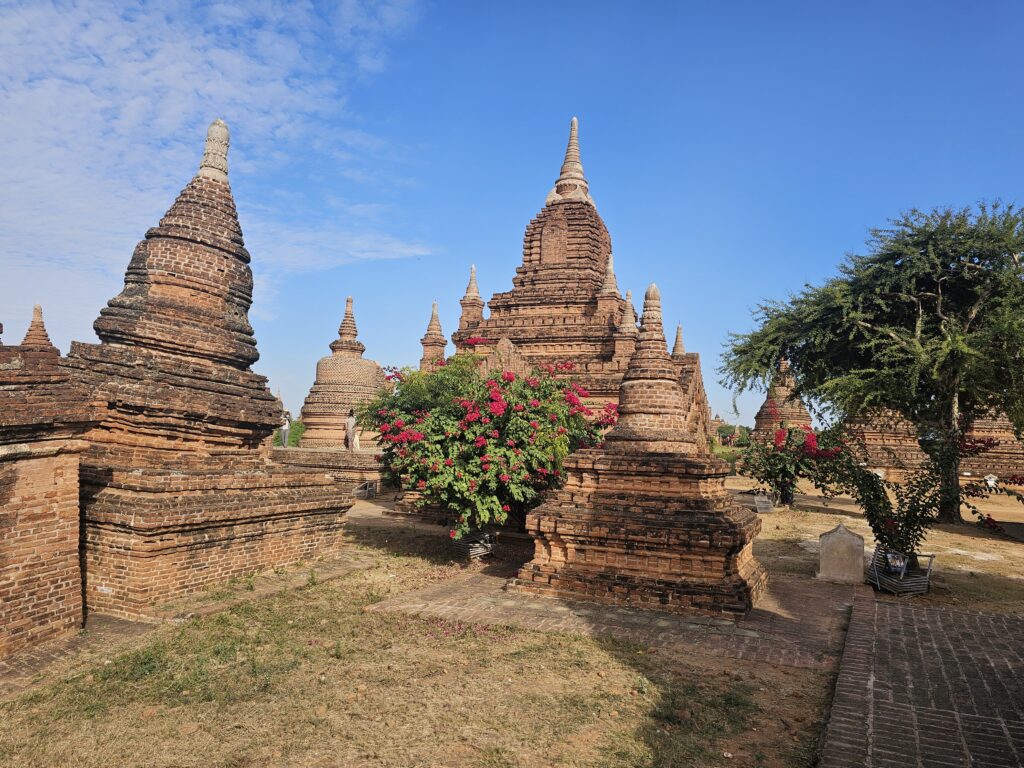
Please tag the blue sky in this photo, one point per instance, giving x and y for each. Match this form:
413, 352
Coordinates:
735, 151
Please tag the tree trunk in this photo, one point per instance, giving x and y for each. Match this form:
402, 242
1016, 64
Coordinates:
948, 459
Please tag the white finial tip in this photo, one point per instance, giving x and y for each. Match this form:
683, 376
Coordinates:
574, 122
652, 293
214, 164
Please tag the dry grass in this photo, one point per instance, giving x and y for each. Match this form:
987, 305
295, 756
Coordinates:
310, 678
975, 569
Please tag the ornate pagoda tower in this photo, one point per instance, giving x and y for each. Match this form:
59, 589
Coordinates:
564, 304
177, 487
646, 520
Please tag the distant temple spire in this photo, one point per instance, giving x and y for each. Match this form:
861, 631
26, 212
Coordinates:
36, 336
472, 304
472, 291
628, 323
347, 333
678, 350
610, 286
433, 342
571, 183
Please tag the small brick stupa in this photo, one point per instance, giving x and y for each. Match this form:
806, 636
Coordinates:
345, 380
645, 520
781, 406
433, 342
177, 488
42, 417
564, 304
698, 411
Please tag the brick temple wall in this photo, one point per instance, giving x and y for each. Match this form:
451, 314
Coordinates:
40, 585
205, 537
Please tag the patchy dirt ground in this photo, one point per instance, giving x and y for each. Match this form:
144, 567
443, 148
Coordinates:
976, 569
308, 677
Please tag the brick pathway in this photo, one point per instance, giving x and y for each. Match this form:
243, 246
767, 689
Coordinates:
927, 687
800, 623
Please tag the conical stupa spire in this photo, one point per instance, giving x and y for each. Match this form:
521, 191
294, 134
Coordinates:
347, 344
188, 287
571, 183
652, 409
472, 291
214, 164
36, 336
434, 326
678, 350
610, 286
433, 342
628, 323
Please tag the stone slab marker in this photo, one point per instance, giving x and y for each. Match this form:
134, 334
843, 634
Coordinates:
841, 556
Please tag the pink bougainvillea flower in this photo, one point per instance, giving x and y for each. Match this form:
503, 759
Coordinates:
480, 442
504, 478
399, 423
448, 462
421, 484
510, 443
451, 534
518, 407
506, 508
485, 420
534, 403
495, 433
508, 376
533, 382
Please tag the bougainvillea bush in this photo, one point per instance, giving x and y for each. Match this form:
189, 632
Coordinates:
792, 454
483, 446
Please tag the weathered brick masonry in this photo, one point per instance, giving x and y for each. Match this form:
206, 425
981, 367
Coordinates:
565, 303
645, 520
42, 413
178, 489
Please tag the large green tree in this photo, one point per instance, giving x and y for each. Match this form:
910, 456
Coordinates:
929, 325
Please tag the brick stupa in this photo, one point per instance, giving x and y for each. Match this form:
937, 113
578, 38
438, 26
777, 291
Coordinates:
645, 520
177, 488
42, 417
892, 447
564, 304
781, 406
345, 380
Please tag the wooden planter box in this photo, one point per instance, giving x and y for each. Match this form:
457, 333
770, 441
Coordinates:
905, 580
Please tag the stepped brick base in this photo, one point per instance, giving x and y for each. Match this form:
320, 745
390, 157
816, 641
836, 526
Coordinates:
347, 467
657, 532
152, 536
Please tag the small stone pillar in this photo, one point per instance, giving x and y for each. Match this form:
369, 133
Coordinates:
841, 556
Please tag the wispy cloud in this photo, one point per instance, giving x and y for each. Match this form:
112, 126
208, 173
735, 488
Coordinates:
105, 107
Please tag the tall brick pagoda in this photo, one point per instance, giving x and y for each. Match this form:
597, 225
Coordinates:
781, 406
345, 380
177, 487
42, 417
645, 520
564, 304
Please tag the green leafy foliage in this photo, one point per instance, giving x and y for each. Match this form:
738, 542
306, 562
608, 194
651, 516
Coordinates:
927, 325
485, 448
792, 454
